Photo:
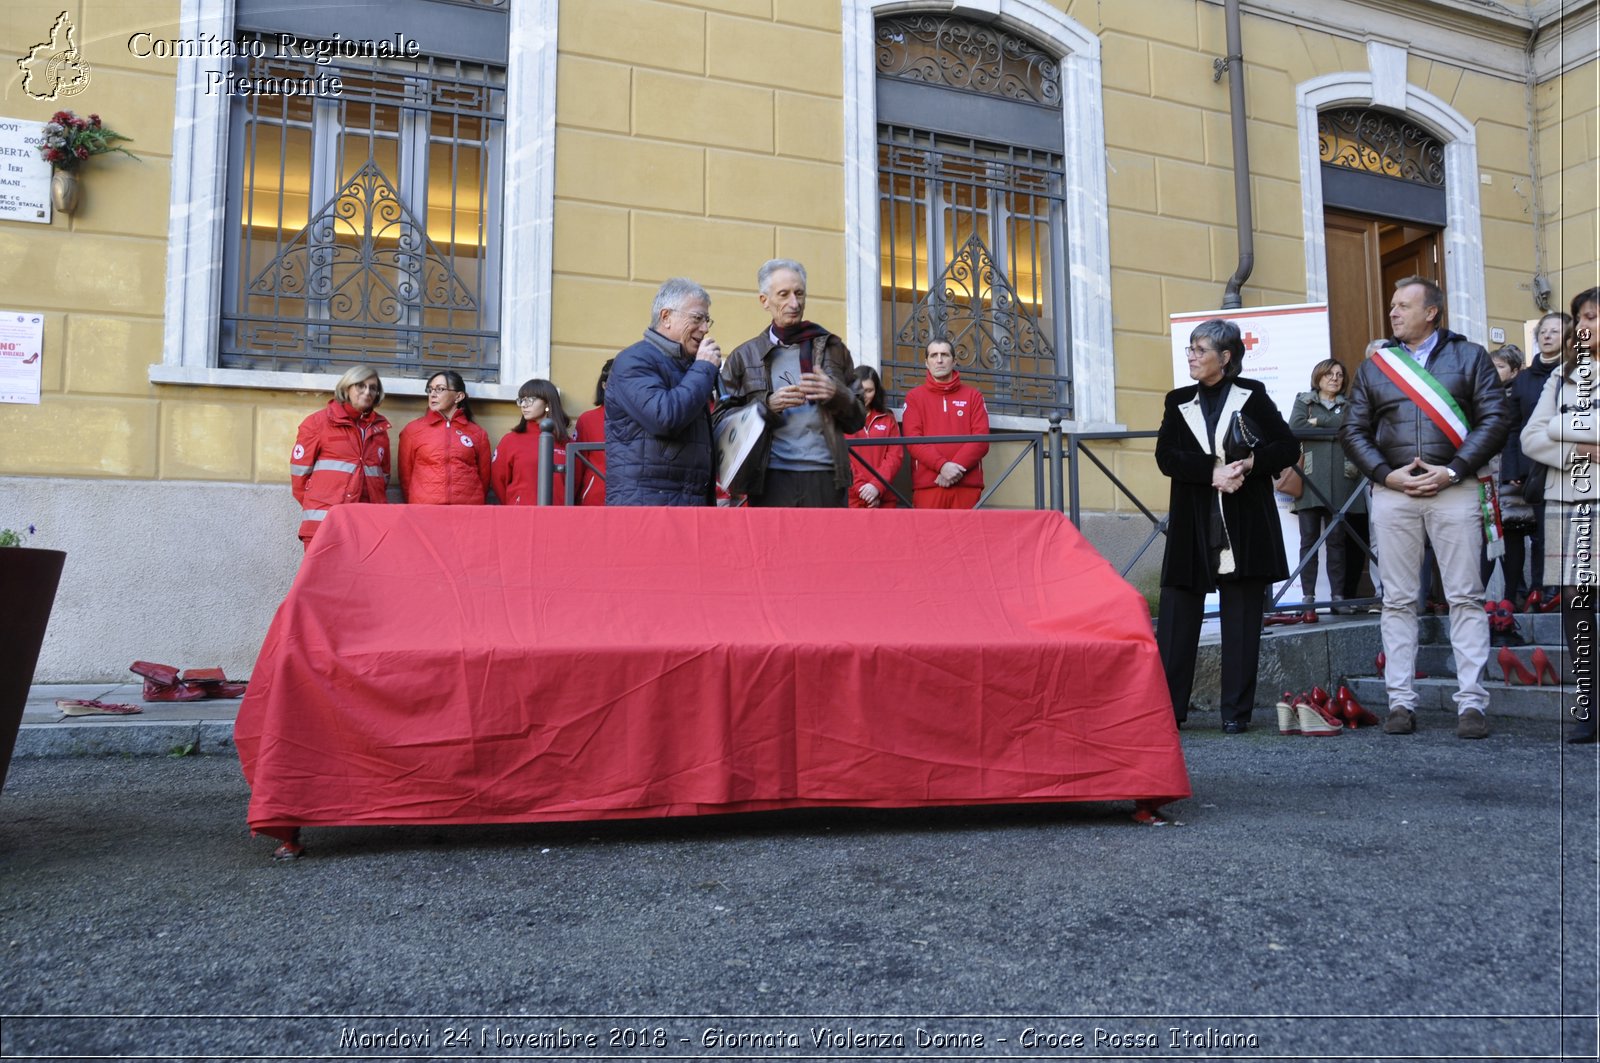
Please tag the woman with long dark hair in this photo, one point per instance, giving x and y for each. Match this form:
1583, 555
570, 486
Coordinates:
515, 472
866, 490
592, 429
444, 454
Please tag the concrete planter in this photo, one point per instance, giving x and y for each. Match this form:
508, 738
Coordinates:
28, 581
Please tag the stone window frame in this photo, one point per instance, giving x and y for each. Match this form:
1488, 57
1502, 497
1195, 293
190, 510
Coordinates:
1384, 85
198, 213
1088, 231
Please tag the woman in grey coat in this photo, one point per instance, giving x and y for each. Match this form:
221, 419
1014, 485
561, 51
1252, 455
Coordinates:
1326, 468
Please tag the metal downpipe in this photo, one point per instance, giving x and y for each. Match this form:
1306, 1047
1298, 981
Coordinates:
1233, 65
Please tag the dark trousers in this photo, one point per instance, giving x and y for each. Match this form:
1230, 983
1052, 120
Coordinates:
1178, 636
1355, 557
785, 488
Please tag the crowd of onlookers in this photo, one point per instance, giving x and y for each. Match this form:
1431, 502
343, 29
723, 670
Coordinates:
1456, 460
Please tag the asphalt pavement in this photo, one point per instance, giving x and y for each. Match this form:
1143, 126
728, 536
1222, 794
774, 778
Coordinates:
1359, 897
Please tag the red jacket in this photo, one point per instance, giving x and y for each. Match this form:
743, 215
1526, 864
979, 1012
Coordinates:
948, 409
591, 428
515, 474
444, 463
338, 457
887, 460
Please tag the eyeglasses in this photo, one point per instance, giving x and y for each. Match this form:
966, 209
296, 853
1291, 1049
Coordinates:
696, 316
529, 400
1198, 352
366, 385
440, 390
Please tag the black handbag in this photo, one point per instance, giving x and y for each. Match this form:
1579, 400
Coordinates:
1532, 490
1243, 437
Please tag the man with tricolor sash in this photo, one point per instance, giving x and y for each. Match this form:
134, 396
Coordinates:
1426, 415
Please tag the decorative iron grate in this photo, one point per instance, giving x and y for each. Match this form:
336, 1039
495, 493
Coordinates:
973, 248
1378, 142
365, 225
965, 55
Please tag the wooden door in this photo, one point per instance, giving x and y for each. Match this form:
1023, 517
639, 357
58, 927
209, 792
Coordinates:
1366, 255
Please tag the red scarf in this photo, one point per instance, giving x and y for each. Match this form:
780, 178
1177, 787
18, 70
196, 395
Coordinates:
799, 336
946, 386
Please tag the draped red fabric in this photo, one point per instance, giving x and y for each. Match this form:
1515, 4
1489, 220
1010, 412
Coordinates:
444, 664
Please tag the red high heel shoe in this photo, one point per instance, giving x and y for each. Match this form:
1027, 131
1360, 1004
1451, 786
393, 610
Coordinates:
1351, 710
1323, 705
1316, 722
1509, 664
1542, 667
1383, 659
1288, 715
1551, 604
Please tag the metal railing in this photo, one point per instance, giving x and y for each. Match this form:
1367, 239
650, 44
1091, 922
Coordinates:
1056, 458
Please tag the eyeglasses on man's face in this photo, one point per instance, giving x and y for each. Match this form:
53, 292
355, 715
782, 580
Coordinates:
696, 317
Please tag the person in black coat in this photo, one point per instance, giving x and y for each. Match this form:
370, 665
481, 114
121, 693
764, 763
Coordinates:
1223, 531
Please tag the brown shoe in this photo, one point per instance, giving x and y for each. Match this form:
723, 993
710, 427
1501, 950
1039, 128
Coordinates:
1400, 722
1472, 724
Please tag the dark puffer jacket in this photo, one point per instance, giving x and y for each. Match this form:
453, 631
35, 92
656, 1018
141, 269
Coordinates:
658, 427
1383, 429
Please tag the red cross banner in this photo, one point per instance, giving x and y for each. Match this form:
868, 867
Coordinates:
1281, 345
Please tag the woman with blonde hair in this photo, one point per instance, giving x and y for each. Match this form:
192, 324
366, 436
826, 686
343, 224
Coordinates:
341, 453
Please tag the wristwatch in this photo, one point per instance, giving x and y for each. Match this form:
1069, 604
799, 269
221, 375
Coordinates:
1455, 477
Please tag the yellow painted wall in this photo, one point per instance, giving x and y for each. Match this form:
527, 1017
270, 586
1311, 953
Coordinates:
683, 150
679, 151
1568, 146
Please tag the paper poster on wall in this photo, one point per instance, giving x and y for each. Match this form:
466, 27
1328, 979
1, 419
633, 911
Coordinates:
24, 175
21, 351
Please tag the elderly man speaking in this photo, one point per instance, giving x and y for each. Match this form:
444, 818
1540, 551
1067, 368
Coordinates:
658, 406
800, 373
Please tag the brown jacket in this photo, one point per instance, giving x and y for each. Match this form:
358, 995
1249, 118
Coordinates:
746, 378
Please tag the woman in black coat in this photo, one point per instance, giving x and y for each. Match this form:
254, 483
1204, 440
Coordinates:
1222, 531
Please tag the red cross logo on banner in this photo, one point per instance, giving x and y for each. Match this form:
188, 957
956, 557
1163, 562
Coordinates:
1250, 341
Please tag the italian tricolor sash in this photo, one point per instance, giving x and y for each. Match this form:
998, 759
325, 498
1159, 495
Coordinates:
1422, 388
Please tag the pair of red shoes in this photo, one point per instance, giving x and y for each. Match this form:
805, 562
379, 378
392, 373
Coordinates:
1316, 715
1510, 666
1538, 603
162, 682
1502, 616
1308, 616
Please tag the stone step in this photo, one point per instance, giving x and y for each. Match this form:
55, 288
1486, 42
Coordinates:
1437, 695
1441, 661
1541, 629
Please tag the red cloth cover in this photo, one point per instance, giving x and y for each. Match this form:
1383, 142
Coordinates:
440, 664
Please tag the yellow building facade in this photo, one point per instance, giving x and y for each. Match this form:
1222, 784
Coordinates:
620, 142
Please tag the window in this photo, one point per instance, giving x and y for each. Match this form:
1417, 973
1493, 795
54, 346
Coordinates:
971, 224
364, 227
377, 225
